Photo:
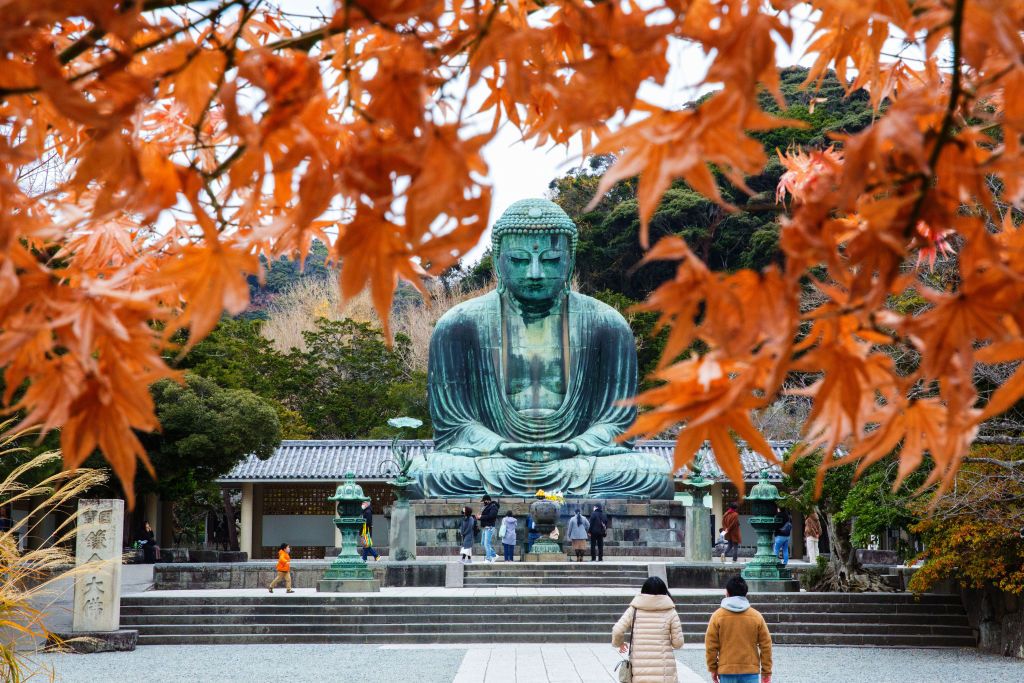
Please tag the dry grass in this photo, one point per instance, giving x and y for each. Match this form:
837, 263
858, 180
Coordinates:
296, 311
27, 578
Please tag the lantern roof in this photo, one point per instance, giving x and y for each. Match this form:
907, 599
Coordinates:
349, 490
763, 489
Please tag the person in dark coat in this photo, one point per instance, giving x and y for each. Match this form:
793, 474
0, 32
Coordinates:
731, 523
147, 540
488, 519
598, 529
468, 533
368, 515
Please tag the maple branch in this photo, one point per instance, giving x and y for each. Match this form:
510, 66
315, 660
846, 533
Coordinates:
212, 15
76, 48
229, 63
946, 129
226, 164
71, 52
304, 42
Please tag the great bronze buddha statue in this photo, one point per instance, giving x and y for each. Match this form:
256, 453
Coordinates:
526, 384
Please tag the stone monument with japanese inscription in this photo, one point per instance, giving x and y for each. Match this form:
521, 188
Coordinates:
97, 613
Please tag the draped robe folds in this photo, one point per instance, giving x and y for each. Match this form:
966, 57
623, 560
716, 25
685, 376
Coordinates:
471, 412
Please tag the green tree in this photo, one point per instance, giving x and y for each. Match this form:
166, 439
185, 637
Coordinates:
648, 343
347, 382
205, 430
874, 506
236, 355
848, 507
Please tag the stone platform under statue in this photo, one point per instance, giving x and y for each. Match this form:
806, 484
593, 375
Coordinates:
639, 528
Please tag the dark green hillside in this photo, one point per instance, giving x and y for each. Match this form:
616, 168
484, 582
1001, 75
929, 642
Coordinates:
609, 246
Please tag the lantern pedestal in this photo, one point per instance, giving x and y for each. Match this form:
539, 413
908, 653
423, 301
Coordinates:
348, 586
402, 539
765, 573
697, 537
698, 531
348, 572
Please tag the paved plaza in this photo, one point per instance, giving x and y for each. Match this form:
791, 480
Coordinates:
506, 664
497, 662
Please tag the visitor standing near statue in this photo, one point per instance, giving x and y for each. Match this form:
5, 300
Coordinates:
529, 386
598, 529
488, 518
812, 532
468, 534
731, 524
508, 535
366, 534
655, 631
782, 535
737, 644
578, 533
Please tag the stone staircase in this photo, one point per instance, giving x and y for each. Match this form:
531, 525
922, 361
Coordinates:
560, 574
870, 619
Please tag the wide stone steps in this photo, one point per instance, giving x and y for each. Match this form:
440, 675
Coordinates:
594, 574
796, 619
589, 625
609, 616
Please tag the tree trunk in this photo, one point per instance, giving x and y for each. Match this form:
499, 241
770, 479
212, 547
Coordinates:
844, 555
229, 513
845, 574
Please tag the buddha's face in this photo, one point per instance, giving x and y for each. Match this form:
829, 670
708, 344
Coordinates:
534, 268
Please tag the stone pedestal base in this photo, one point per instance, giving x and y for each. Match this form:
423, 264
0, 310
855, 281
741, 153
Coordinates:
544, 557
348, 586
773, 585
88, 642
402, 536
698, 533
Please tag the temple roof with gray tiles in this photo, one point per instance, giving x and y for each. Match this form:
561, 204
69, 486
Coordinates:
329, 460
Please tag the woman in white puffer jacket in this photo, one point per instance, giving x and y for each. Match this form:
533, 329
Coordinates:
652, 618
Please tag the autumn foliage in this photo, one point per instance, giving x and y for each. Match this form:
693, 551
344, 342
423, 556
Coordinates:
152, 150
973, 533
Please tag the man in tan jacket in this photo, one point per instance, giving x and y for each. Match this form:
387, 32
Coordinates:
737, 644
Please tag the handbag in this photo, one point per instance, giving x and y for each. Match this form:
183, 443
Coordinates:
625, 667
501, 530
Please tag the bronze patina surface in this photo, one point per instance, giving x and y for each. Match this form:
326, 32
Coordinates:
526, 383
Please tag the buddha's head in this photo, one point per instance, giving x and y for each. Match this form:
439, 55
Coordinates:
533, 245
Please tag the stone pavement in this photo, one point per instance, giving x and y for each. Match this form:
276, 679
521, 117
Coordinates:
547, 664
521, 664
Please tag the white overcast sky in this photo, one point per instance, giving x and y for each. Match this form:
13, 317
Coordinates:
519, 170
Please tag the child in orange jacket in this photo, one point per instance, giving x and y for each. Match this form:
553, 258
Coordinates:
284, 569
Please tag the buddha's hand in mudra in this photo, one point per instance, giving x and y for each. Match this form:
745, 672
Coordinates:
537, 452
